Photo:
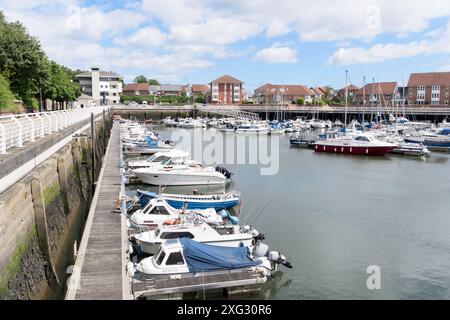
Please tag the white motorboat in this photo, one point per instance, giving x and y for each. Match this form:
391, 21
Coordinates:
253, 128
183, 175
152, 145
187, 258
191, 123
169, 122
197, 229
171, 156
158, 211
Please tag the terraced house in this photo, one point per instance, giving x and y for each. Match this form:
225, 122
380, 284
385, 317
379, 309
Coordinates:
282, 93
384, 93
429, 89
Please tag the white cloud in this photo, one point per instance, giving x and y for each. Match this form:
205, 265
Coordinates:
148, 36
383, 52
197, 32
276, 54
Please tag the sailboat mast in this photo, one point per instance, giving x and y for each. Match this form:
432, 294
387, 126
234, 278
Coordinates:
364, 99
371, 99
346, 98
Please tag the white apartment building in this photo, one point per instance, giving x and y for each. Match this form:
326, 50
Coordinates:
104, 87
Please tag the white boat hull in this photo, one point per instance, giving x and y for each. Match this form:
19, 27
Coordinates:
180, 179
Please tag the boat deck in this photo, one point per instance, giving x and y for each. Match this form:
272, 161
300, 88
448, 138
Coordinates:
158, 287
99, 270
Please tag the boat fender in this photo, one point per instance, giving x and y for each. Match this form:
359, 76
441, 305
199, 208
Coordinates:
130, 269
233, 219
223, 213
260, 249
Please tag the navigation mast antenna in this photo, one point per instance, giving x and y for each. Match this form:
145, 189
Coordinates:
346, 99
364, 100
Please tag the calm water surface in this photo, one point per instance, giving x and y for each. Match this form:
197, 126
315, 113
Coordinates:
332, 216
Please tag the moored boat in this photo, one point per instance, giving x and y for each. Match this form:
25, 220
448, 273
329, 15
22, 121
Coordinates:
362, 144
194, 201
224, 235
188, 258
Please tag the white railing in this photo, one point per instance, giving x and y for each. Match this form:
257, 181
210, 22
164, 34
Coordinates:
17, 130
228, 111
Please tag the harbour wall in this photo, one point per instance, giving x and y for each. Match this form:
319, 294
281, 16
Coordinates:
42, 218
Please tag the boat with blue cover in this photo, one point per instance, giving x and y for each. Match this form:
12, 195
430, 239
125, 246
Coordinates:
187, 258
216, 201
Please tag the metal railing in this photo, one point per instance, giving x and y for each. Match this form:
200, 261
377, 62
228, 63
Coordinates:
17, 130
228, 111
350, 109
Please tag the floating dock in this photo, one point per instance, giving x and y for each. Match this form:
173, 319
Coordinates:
100, 267
152, 288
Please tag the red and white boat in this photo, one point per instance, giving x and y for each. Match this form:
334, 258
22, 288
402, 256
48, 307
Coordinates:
359, 144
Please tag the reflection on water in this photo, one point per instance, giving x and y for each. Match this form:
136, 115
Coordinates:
332, 216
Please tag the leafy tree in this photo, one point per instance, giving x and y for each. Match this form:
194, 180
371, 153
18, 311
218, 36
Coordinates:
336, 100
21, 60
6, 96
153, 82
59, 85
140, 79
300, 101
200, 98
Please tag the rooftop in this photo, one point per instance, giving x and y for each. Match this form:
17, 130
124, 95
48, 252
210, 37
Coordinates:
378, 88
108, 74
286, 89
227, 79
136, 87
429, 79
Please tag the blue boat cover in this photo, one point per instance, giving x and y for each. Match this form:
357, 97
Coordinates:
205, 257
151, 143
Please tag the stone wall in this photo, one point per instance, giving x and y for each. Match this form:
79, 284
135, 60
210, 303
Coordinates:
43, 215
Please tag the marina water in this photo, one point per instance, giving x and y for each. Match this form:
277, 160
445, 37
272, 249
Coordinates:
333, 216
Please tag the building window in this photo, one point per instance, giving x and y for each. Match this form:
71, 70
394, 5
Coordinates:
421, 88
435, 88
446, 102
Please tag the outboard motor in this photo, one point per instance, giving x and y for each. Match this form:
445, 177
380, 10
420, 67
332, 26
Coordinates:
277, 257
224, 171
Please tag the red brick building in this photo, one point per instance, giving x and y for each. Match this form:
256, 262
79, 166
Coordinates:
276, 93
136, 89
429, 89
199, 89
352, 90
384, 92
226, 90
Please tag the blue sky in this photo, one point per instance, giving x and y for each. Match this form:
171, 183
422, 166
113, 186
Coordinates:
257, 41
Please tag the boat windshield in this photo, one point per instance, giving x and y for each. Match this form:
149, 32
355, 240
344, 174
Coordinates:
157, 232
362, 138
160, 257
159, 210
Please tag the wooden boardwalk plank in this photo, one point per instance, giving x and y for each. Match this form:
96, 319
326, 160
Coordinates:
101, 272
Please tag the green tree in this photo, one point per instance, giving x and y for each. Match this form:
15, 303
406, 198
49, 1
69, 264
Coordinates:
200, 98
140, 79
6, 96
300, 101
21, 60
59, 85
153, 82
